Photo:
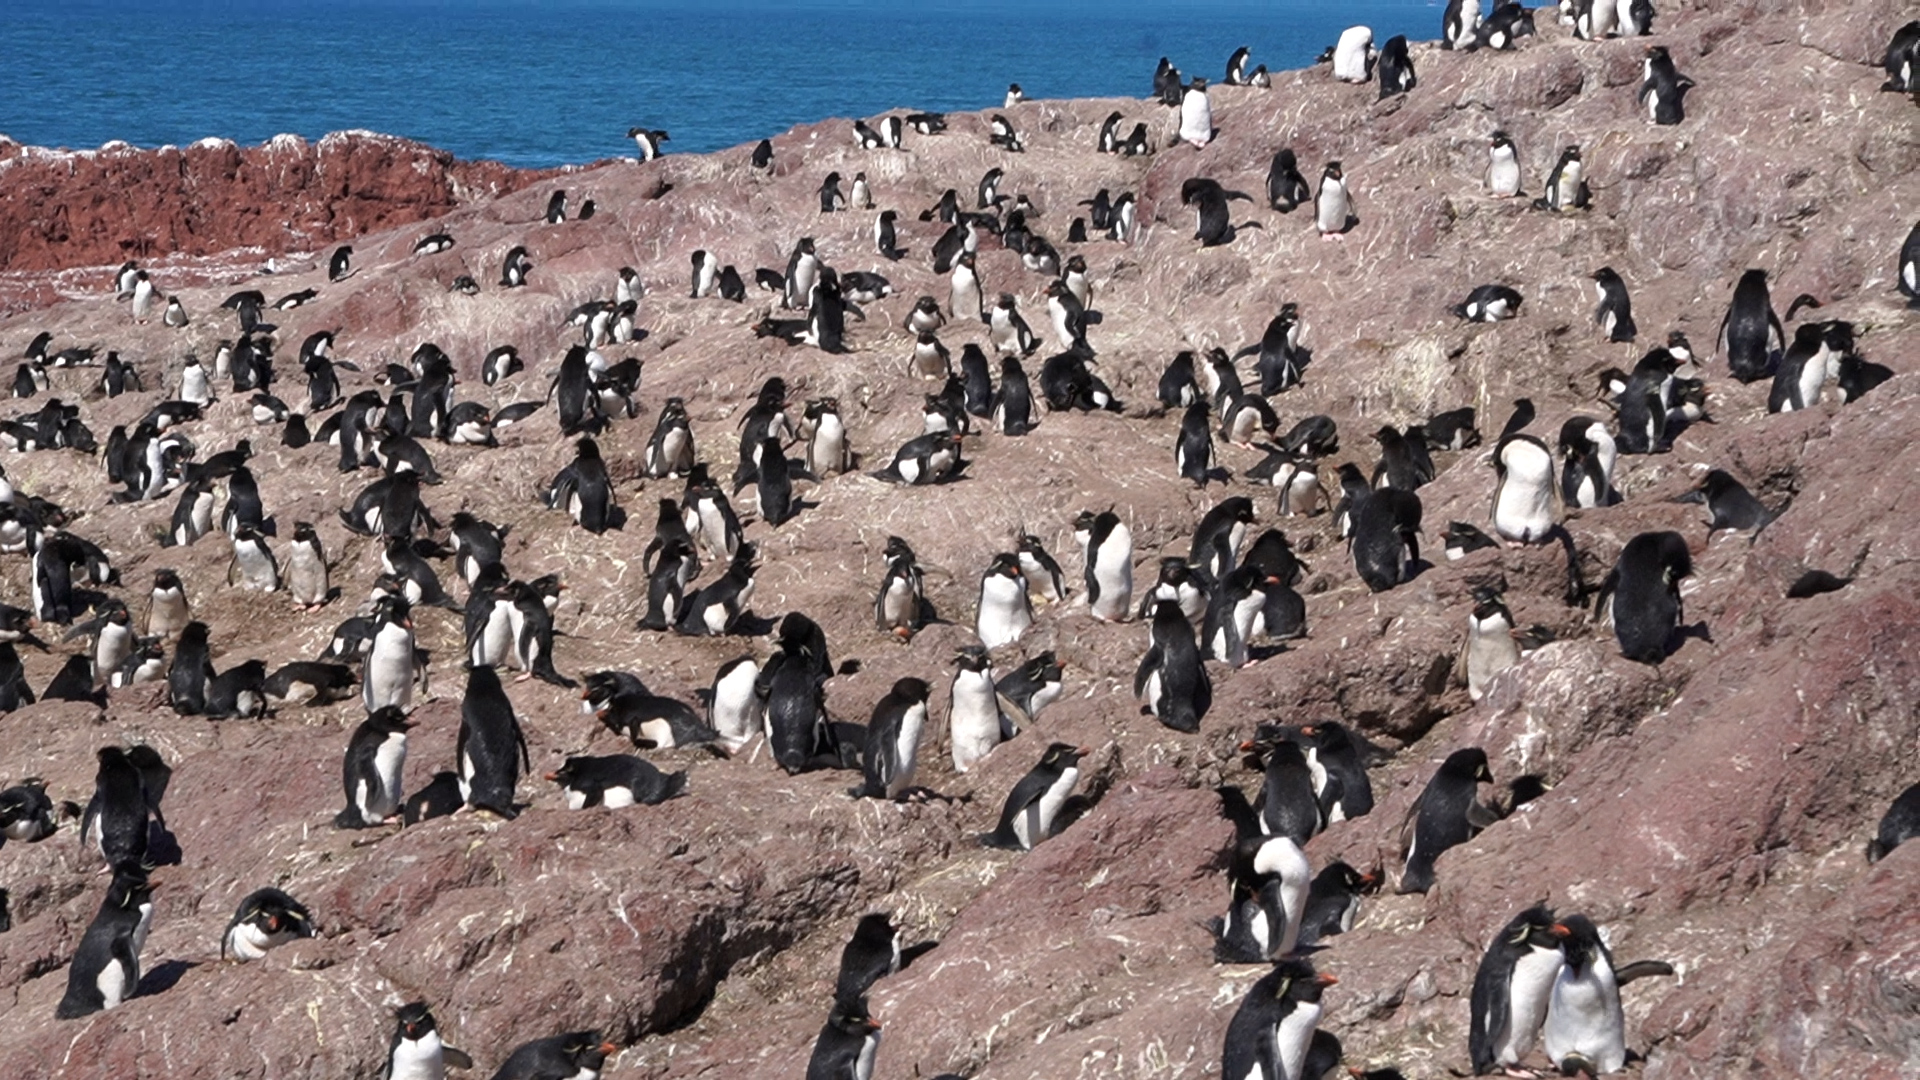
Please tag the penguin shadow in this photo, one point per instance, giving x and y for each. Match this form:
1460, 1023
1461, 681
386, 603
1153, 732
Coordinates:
1697, 631
163, 977
163, 849
751, 625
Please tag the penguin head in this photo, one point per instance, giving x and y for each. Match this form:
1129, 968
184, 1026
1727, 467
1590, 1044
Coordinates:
1061, 756
1006, 564
1501, 139
1296, 981
586, 1049
1536, 928
914, 690
972, 658
1468, 763
413, 1021
389, 719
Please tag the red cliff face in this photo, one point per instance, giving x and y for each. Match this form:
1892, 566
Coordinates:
68, 208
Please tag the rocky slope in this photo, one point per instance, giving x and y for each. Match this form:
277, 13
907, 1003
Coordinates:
1710, 811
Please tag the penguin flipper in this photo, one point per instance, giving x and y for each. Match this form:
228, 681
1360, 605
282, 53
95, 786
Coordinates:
1641, 969
1148, 664
459, 1059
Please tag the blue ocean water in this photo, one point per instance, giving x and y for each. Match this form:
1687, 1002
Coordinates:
537, 83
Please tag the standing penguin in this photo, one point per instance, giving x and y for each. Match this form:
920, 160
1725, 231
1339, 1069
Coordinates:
1353, 55
340, 264
167, 611
372, 772
585, 490
1663, 88
1566, 187
976, 722
1267, 884
265, 920
1004, 611
1750, 335
1447, 813
1615, 313
965, 298
1523, 491
415, 1052
1286, 188
1503, 164
105, 971
1267, 1038
1033, 807
387, 677
1644, 588
1460, 24
1908, 272
1196, 114
191, 671
491, 748
307, 577
846, 1045
1585, 1031
1333, 205
1106, 545
1490, 647
1588, 452
893, 740
1171, 676
1396, 67
1512, 987
899, 607
115, 820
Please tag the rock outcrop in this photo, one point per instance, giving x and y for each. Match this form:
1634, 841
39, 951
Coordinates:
1710, 811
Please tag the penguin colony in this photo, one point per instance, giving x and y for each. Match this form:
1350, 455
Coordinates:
1545, 980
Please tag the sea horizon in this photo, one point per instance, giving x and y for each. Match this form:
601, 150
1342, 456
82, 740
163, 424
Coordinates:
544, 85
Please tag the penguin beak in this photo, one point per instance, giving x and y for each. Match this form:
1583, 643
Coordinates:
609, 1048
1368, 879
1560, 930
1247, 747
1325, 979
273, 924
554, 777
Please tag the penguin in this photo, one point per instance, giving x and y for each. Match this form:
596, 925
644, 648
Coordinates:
340, 263
1267, 883
1007, 331
706, 269
1386, 537
253, 564
1353, 55
1004, 611
1663, 89
1001, 133
1106, 545
265, 920
1635, 17
14, 691
167, 611
899, 608
1403, 463
1489, 303
1909, 269
831, 197
143, 293
670, 449
1121, 224
115, 822
1615, 313
1032, 686
1032, 809
195, 388
871, 954
616, 781
1459, 24
491, 748
1193, 452
1490, 647
1109, 138
792, 692
1286, 188
576, 1055
1644, 588
105, 971
191, 671
1288, 806
1899, 824
1523, 494
1750, 335
307, 578
1508, 23
1196, 114
390, 670
305, 682
648, 141
924, 459
893, 741
964, 291
514, 268
1585, 1032
27, 815
585, 490
1512, 988
1594, 20
1643, 404
803, 269
861, 195
1333, 205
1805, 366
734, 711
1339, 773
1396, 67
1012, 411
718, 605
1268, 1037
532, 622
176, 314
1566, 187
433, 244
827, 449
884, 239
415, 1052
1588, 453
1333, 902
846, 1045
1447, 813
709, 516
113, 639
1171, 676
372, 771
238, 692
